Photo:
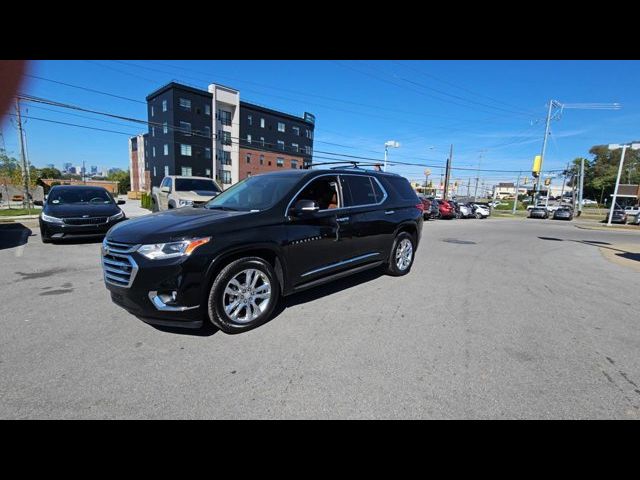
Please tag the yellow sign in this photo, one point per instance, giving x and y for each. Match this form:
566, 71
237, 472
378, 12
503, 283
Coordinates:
537, 162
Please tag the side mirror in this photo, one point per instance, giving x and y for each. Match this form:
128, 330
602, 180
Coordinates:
121, 202
303, 207
166, 189
37, 203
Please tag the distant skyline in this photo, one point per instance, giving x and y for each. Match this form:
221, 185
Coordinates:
491, 111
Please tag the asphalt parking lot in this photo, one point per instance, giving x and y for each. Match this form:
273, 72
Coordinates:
499, 318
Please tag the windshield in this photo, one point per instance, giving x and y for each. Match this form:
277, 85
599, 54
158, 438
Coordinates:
196, 184
61, 196
254, 193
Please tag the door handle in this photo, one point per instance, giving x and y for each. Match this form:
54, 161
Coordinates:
389, 212
342, 219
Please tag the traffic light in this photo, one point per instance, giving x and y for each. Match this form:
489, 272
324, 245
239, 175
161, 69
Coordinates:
535, 170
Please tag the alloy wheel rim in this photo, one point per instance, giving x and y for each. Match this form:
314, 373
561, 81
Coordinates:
246, 295
404, 254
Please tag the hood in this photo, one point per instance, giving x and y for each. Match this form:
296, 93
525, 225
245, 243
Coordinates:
172, 225
196, 195
71, 210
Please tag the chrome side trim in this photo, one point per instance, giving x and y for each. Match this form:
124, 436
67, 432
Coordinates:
339, 264
338, 175
163, 307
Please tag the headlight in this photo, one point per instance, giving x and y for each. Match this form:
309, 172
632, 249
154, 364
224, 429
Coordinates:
47, 218
185, 203
161, 251
117, 216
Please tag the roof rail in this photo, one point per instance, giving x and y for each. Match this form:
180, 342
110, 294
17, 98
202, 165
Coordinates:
350, 164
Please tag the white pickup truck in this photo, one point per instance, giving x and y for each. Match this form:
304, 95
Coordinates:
175, 192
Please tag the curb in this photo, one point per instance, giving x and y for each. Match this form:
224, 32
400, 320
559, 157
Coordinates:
19, 217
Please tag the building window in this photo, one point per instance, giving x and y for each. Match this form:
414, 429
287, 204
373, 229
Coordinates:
280, 161
248, 138
207, 132
225, 117
261, 159
165, 128
296, 130
281, 126
226, 176
307, 150
185, 104
226, 138
225, 157
185, 127
294, 163
154, 172
248, 157
207, 153
152, 110
166, 170
262, 123
166, 149
281, 144
308, 133
294, 147
153, 131
186, 171
164, 105
207, 109
207, 172
153, 149
262, 141
185, 149
249, 120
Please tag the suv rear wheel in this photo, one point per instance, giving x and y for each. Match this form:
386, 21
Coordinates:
243, 295
402, 254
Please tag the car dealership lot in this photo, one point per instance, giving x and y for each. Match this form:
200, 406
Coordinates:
499, 318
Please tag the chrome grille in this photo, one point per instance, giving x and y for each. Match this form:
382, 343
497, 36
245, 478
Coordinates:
119, 267
85, 221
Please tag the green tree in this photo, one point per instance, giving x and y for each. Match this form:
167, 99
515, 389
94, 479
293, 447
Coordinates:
124, 180
49, 173
601, 171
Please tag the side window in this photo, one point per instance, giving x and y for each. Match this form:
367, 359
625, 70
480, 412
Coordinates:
361, 189
377, 190
323, 191
401, 188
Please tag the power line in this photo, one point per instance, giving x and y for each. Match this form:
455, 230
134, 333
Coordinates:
72, 124
85, 88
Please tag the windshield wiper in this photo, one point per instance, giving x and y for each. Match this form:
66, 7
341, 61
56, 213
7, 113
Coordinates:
220, 207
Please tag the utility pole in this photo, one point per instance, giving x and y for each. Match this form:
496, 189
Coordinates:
84, 178
448, 173
468, 187
515, 202
564, 182
25, 179
581, 187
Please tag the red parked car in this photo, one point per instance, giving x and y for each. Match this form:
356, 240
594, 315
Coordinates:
426, 203
446, 209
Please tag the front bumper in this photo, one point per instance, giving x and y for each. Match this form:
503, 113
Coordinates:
162, 292
60, 231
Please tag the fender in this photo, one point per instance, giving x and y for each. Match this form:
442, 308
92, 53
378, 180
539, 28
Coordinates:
280, 264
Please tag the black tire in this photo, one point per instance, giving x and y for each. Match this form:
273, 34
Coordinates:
215, 307
154, 205
392, 267
44, 236
171, 206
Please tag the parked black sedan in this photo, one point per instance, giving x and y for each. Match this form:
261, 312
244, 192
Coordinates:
78, 211
538, 212
563, 213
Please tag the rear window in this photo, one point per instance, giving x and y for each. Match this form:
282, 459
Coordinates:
401, 188
362, 190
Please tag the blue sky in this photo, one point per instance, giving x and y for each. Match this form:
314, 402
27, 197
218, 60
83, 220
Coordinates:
489, 109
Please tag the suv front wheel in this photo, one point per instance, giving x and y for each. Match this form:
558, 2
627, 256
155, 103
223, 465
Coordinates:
402, 254
243, 295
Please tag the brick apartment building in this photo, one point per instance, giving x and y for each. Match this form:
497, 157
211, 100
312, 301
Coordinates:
138, 163
212, 133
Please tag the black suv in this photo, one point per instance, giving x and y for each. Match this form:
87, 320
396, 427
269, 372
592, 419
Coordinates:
268, 235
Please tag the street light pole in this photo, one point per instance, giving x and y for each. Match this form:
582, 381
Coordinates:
387, 144
515, 202
615, 146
